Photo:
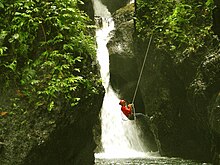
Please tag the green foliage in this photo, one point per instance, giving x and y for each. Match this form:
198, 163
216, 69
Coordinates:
46, 46
181, 28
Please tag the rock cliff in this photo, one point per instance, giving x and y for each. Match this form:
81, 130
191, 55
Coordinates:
62, 136
113, 5
182, 100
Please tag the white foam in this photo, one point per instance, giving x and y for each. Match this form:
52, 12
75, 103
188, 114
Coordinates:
120, 139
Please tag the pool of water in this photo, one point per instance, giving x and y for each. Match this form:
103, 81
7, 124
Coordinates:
147, 161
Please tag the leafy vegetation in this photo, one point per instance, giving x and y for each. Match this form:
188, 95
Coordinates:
47, 52
183, 27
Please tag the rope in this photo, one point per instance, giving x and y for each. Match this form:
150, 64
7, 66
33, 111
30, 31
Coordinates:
139, 79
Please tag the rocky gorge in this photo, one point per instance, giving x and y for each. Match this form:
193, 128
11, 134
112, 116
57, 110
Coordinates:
180, 98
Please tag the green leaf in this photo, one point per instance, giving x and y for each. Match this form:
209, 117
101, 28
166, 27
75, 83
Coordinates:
2, 50
12, 66
75, 102
3, 34
1, 5
14, 37
50, 106
209, 3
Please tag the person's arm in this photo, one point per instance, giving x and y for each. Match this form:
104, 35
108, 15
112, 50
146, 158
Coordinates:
130, 107
126, 110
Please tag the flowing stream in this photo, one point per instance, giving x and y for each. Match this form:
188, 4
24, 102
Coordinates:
120, 138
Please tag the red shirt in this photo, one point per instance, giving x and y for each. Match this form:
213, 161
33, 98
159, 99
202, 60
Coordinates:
126, 110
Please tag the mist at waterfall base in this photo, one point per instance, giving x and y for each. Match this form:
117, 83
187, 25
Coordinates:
120, 137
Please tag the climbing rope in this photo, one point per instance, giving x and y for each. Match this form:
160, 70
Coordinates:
139, 79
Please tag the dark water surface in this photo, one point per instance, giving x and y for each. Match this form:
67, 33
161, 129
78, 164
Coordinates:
147, 161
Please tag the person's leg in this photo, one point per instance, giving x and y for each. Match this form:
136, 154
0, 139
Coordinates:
131, 117
137, 116
142, 117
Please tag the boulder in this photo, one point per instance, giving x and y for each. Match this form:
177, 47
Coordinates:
113, 5
123, 64
175, 96
147, 133
61, 137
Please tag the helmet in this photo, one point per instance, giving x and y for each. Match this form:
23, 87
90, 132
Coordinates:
122, 102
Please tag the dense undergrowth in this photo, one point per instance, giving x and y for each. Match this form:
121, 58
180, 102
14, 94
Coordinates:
184, 30
45, 51
181, 28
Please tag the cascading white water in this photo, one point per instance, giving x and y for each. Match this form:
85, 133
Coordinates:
131, 1
119, 138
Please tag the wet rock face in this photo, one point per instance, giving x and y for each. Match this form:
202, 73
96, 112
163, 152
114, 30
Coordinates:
215, 115
214, 120
88, 8
165, 101
216, 18
123, 68
71, 143
146, 133
168, 92
39, 137
113, 5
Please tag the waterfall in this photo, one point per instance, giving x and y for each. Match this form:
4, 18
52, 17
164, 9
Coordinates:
119, 138
131, 1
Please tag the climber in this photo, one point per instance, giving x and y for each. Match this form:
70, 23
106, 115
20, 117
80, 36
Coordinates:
126, 109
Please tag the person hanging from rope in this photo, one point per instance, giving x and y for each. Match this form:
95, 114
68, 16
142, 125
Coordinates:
126, 109
129, 111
